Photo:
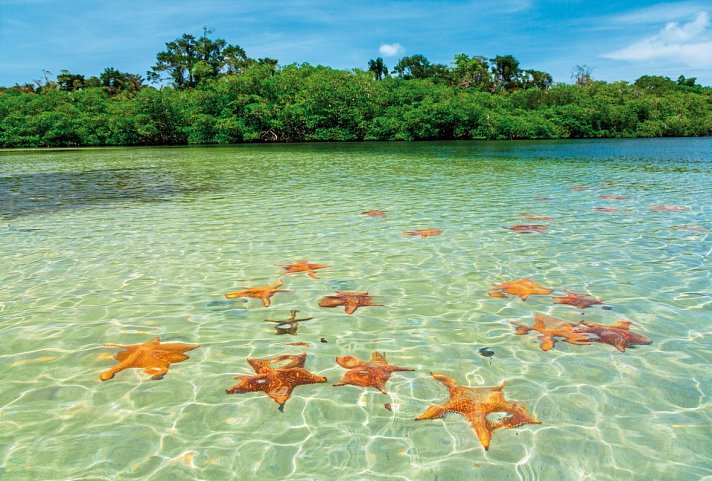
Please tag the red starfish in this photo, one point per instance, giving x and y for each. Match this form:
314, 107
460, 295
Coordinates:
617, 335
551, 328
526, 229
582, 301
612, 197
350, 300
374, 213
423, 232
277, 382
374, 373
303, 266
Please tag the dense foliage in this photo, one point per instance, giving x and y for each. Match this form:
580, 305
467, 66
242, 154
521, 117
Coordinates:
219, 95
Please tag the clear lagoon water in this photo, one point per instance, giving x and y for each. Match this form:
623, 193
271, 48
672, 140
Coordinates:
119, 246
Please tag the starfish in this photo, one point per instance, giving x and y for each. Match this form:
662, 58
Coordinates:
617, 335
260, 292
551, 328
606, 209
612, 197
523, 288
694, 228
277, 382
476, 403
423, 232
541, 197
292, 322
374, 373
152, 356
303, 266
669, 208
582, 301
350, 300
526, 229
374, 213
578, 188
537, 217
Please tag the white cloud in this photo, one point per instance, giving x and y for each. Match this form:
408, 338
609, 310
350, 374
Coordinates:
391, 49
687, 43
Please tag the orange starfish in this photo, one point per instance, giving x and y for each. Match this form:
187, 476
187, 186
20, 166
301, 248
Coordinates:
522, 288
423, 232
277, 382
292, 322
582, 301
152, 356
606, 209
578, 188
612, 197
551, 328
526, 229
303, 266
260, 292
350, 300
476, 403
374, 373
617, 335
374, 213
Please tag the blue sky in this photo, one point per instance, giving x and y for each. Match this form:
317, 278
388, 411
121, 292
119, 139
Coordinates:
619, 40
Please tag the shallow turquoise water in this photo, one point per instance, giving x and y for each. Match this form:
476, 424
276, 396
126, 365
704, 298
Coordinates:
122, 245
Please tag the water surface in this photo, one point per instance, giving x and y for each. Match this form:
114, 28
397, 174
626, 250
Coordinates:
122, 245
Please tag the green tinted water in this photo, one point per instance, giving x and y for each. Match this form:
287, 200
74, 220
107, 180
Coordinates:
122, 245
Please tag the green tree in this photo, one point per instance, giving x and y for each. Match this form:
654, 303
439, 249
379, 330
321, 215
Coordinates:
471, 72
506, 72
419, 67
68, 82
378, 68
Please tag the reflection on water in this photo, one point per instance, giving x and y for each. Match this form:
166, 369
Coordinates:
120, 246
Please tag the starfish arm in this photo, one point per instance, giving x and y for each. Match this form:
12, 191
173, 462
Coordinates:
234, 294
483, 428
520, 329
156, 372
433, 412
265, 301
547, 342
126, 363
350, 362
312, 274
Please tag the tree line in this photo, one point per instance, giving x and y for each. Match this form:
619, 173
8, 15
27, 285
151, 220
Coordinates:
203, 90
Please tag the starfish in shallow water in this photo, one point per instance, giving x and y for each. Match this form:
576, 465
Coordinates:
612, 197
259, 292
277, 382
292, 322
582, 301
152, 356
606, 209
578, 188
423, 232
350, 300
476, 403
526, 229
551, 328
523, 288
617, 335
303, 266
374, 213
669, 208
374, 373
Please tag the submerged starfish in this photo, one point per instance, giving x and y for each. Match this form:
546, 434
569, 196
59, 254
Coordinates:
152, 356
551, 328
423, 232
260, 292
612, 197
292, 322
694, 228
526, 229
523, 288
669, 208
617, 335
277, 382
374, 213
374, 373
606, 209
582, 301
476, 403
578, 188
350, 300
303, 266
537, 217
